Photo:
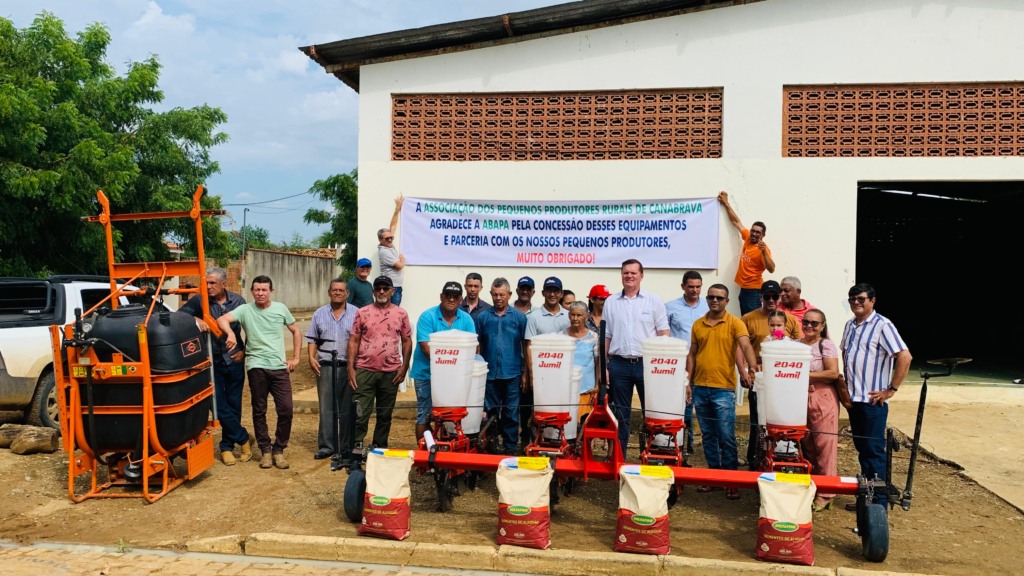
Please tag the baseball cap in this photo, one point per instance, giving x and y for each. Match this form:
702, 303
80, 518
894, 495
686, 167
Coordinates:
771, 286
383, 281
451, 286
525, 281
362, 262
552, 282
599, 291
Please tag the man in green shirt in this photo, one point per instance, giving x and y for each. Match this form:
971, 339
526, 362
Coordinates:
266, 367
360, 291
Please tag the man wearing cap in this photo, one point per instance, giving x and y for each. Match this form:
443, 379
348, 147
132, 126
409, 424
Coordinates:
501, 330
682, 313
550, 318
392, 262
445, 316
632, 316
473, 304
524, 290
381, 344
711, 366
756, 323
329, 331
360, 291
755, 258
791, 301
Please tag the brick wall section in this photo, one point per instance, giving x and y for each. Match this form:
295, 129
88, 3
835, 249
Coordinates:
620, 125
903, 120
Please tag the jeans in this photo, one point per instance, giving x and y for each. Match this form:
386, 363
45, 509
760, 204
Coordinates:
867, 424
277, 383
396, 296
423, 403
329, 418
525, 415
375, 388
750, 300
688, 421
716, 413
623, 375
752, 442
502, 397
229, 383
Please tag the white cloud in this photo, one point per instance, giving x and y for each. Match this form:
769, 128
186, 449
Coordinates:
335, 104
154, 22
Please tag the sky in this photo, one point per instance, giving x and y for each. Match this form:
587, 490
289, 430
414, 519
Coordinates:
289, 123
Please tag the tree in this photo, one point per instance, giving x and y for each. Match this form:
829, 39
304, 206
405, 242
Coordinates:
342, 191
68, 127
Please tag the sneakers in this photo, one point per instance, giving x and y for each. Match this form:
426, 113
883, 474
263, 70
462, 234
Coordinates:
280, 461
228, 457
265, 461
246, 454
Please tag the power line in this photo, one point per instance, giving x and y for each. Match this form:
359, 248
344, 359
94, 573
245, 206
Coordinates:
267, 201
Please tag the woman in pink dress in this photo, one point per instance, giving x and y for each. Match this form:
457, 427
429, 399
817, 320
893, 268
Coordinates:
821, 445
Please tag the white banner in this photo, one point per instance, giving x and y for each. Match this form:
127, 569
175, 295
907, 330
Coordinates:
666, 233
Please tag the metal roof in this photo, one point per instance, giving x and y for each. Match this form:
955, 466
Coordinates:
343, 58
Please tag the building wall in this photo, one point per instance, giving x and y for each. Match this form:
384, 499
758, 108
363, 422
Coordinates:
300, 282
752, 51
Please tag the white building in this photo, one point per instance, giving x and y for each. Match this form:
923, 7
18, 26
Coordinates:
923, 97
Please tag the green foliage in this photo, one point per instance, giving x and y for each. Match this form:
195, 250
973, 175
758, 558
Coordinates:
296, 242
68, 127
342, 191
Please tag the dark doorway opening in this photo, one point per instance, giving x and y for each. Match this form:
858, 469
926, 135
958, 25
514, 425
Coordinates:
942, 257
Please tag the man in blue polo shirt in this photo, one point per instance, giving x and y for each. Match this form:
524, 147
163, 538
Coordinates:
502, 330
445, 316
875, 362
682, 313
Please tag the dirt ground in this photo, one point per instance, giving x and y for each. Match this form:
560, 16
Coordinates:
954, 527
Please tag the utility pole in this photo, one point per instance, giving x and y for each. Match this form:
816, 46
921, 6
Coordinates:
245, 214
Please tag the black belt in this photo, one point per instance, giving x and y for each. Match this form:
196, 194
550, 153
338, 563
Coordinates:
630, 359
329, 363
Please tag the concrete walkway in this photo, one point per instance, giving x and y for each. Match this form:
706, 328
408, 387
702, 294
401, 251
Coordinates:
976, 425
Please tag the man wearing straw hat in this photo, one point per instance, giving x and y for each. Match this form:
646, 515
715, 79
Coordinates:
445, 316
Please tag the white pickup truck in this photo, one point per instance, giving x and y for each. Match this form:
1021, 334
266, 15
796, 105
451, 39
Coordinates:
28, 307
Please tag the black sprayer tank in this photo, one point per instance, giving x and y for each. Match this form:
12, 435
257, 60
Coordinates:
175, 342
176, 348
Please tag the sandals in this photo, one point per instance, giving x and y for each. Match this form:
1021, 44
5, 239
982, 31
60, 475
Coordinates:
732, 494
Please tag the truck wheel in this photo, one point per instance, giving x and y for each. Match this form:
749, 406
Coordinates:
43, 410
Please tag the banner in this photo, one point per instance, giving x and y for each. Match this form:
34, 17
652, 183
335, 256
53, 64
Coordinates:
666, 233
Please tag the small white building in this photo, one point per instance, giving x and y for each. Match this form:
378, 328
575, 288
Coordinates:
806, 111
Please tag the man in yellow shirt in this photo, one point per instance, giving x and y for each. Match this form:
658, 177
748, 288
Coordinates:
711, 366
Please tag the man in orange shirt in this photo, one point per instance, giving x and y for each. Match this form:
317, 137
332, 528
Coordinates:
755, 258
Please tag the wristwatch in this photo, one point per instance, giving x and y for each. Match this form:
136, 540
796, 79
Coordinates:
893, 389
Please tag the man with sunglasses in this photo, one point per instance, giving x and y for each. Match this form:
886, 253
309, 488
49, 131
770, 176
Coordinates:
875, 363
757, 327
392, 262
755, 257
380, 364
711, 366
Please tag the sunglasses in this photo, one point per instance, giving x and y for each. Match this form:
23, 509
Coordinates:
713, 298
811, 323
770, 296
381, 288
857, 299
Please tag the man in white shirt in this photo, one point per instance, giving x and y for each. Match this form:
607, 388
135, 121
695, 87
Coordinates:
632, 316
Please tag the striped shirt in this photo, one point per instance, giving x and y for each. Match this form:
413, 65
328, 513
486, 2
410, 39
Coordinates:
325, 326
868, 352
630, 321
